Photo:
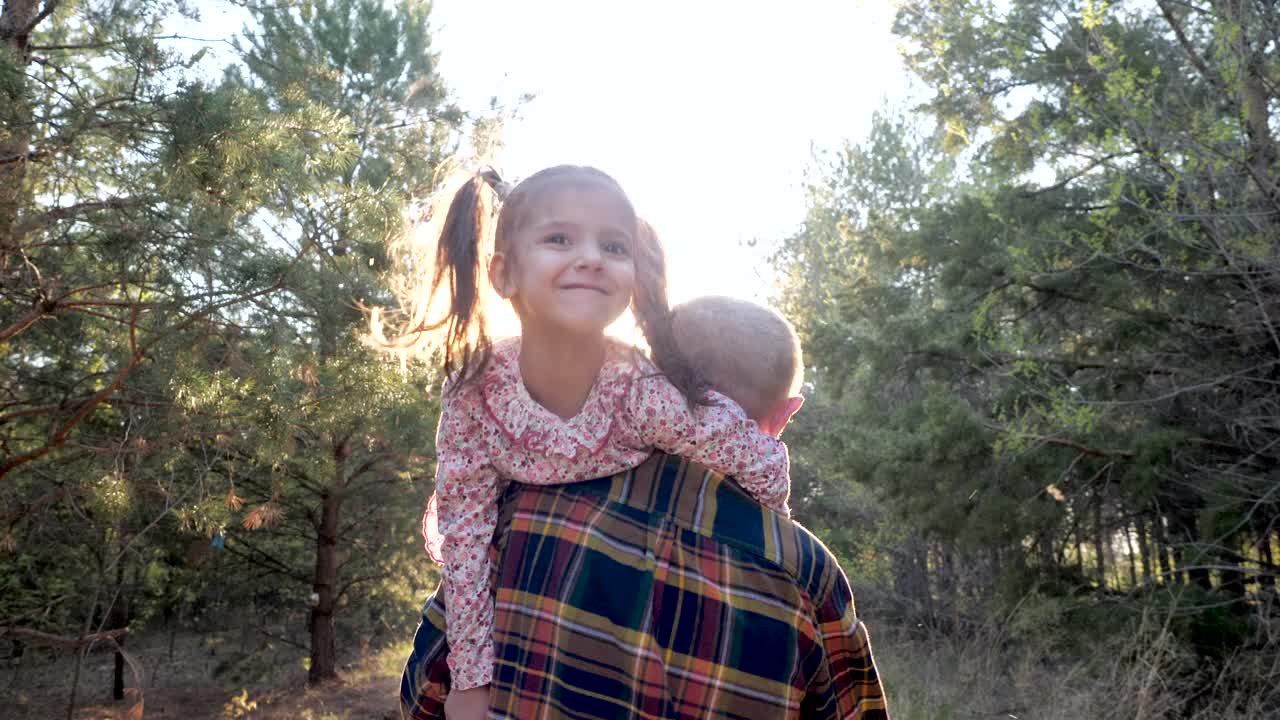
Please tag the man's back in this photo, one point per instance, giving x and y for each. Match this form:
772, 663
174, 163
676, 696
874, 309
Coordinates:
662, 592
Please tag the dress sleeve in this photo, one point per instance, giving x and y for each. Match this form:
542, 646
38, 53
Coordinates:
466, 504
719, 436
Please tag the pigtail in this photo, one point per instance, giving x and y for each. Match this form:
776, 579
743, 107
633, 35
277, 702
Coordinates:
653, 314
458, 259
457, 333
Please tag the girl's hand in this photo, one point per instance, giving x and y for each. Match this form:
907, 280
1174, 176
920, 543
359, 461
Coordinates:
470, 704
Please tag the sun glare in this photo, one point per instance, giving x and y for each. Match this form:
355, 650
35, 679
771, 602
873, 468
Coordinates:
707, 113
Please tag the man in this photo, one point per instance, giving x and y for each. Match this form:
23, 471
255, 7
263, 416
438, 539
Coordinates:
666, 591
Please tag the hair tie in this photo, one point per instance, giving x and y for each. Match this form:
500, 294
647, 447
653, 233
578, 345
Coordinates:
495, 181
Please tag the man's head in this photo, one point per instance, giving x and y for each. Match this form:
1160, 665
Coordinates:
746, 351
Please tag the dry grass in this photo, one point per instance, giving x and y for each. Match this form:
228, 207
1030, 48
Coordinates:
940, 678
993, 672
264, 682
1148, 676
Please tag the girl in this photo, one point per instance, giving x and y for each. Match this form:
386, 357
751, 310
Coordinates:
562, 402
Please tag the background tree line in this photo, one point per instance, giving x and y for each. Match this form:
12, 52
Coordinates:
1042, 309
190, 429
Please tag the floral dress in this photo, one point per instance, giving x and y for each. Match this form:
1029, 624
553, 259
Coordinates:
492, 430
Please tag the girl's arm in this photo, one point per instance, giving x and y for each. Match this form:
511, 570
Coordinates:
718, 436
467, 509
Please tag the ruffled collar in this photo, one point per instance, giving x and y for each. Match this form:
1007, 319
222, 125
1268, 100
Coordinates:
535, 428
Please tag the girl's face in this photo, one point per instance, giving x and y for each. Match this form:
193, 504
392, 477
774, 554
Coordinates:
568, 268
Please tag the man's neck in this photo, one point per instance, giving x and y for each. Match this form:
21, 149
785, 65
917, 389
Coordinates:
559, 372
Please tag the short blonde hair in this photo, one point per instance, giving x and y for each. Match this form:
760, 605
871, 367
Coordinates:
746, 351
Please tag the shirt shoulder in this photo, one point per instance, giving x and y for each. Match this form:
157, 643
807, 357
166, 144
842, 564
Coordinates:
728, 514
784, 543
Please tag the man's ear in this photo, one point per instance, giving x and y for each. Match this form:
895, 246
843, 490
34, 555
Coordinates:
499, 278
778, 419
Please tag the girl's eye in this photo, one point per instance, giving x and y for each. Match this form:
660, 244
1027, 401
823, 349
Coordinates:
616, 248
557, 239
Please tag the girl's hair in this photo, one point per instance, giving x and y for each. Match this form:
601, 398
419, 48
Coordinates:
653, 315
459, 333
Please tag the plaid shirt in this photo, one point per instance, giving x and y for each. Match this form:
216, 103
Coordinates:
661, 592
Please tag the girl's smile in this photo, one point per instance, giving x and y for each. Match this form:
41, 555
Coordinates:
570, 270
583, 286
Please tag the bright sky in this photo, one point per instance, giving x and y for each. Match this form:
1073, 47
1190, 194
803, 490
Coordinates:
706, 111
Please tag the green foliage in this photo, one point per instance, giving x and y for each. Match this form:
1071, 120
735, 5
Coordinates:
1058, 378
186, 391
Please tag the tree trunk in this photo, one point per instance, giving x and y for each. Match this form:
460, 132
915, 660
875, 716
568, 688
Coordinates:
1254, 97
1187, 536
910, 576
1099, 540
1133, 562
83, 649
1232, 575
1167, 571
119, 618
921, 549
1144, 547
1180, 560
1264, 548
1044, 554
323, 650
997, 570
17, 20
1079, 538
947, 585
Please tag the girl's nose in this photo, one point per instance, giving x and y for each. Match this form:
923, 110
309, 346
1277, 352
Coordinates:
590, 257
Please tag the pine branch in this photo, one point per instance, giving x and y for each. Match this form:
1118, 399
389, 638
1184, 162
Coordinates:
30, 156
19, 18
59, 437
70, 211
272, 564
362, 579
1190, 51
31, 508
118, 43
63, 642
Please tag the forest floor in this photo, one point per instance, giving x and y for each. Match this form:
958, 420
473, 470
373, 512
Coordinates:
263, 681
250, 675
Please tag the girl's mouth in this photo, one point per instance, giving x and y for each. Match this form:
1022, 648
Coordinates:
582, 286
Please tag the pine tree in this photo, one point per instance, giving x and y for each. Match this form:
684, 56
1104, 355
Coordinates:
338, 427
182, 271
1032, 367
126, 189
